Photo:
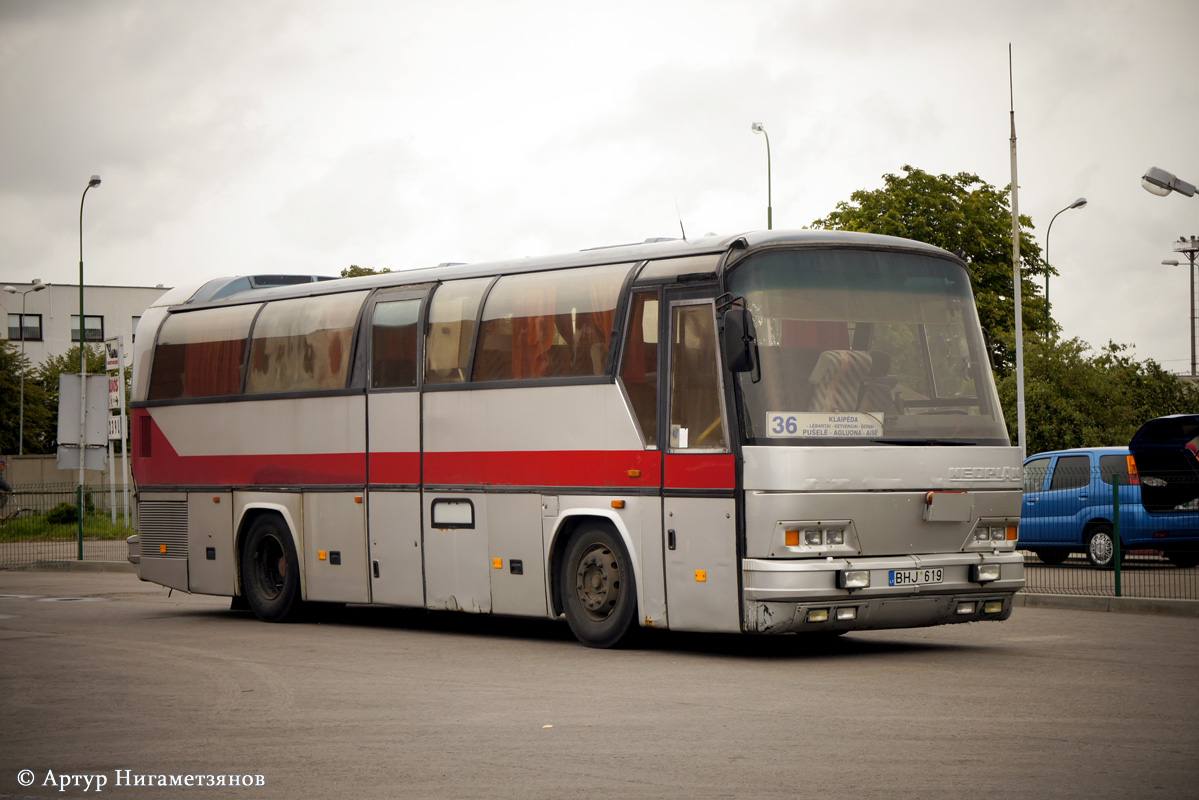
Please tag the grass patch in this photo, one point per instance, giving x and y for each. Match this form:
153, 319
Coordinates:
39, 528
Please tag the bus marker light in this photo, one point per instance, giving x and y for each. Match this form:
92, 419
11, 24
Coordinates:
634, 473
850, 612
216, 499
618, 504
498, 563
853, 579
701, 575
993, 607
817, 615
1013, 533
358, 499
322, 555
965, 608
162, 548
984, 573
791, 538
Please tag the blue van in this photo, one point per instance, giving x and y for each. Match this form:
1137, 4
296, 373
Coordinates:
1068, 497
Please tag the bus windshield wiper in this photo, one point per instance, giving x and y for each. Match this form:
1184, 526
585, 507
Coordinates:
919, 442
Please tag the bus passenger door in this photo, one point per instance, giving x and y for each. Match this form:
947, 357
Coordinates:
699, 476
393, 442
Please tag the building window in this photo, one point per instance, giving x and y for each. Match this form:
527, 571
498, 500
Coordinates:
133, 337
93, 325
30, 325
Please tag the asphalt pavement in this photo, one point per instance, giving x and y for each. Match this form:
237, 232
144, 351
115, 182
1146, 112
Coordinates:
102, 676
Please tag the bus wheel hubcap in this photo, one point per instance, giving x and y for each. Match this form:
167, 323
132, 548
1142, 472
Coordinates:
597, 581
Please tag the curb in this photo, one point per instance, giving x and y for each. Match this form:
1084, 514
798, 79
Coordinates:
1119, 605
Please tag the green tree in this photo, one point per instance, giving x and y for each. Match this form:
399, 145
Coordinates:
962, 214
46, 376
12, 365
1078, 398
354, 271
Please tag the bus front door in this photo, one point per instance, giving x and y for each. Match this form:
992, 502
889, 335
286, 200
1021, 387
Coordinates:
699, 476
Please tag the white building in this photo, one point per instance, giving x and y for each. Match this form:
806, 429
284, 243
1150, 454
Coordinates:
51, 315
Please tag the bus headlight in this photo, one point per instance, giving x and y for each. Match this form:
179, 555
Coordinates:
992, 534
984, 573
853, 579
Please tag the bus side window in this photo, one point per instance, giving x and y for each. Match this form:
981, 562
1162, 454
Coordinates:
639, 367
393, 344
549, 324
695, 415
303, 344
200, 353
452, 315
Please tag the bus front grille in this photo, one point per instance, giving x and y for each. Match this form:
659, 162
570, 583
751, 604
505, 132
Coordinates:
163, 532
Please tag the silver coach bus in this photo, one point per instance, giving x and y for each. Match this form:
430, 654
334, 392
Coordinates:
764, 433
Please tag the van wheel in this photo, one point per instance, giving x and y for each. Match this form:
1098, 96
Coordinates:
270, 570
596, 584
1101, 548
1052, 555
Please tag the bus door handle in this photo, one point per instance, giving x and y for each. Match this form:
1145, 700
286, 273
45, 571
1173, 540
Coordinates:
670, 543
376, 568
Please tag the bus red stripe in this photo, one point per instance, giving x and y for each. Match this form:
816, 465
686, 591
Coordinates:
582, 468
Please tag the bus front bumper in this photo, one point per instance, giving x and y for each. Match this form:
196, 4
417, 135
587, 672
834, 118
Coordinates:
785, 596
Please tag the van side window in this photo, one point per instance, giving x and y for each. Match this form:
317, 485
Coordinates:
1034, 474
1114, 465
1071, 472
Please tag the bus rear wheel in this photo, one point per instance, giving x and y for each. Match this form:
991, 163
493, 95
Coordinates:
595, 582
270, 570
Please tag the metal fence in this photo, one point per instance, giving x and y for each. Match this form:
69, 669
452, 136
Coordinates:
1090, 526
1066, 516
39, 526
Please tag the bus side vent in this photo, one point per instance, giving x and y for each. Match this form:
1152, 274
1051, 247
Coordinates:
163, 531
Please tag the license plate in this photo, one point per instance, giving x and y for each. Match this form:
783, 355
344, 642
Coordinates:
912, 577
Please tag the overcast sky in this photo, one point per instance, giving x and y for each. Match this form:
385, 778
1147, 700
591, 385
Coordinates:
238, 136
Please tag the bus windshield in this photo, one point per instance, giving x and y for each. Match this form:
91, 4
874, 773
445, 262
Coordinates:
864, 347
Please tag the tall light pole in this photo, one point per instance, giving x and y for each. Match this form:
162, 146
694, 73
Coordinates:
1189, 248
758, 127
1079, 203
93, 181
1161, 183
37, 287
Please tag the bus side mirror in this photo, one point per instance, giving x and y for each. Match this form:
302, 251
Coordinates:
739, 342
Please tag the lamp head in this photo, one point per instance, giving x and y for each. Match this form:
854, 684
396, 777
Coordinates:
757, 127
94, 181
37, 285
10, 289
1079, 203
1161, 183
1170, 262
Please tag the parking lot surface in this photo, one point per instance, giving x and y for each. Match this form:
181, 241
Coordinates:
101, 675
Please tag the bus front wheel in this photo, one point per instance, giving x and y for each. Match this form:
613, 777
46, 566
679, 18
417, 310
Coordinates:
270, 570
597, 588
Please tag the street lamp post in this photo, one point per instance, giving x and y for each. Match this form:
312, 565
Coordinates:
37, 287
1079, 203
92, 182
1189, 248
758, 127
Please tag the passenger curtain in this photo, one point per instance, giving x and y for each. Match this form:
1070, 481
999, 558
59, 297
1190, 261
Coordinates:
212, 369
533, 332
